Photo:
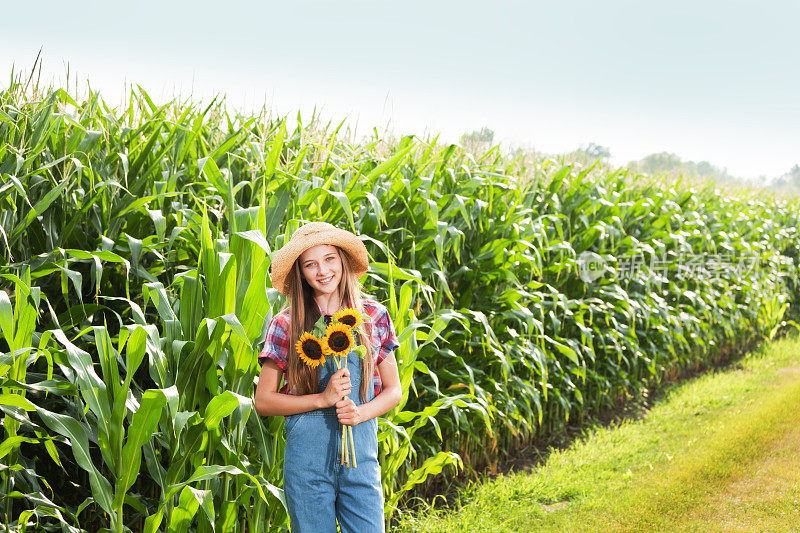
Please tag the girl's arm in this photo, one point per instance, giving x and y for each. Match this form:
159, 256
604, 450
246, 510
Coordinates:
269, 402
351, 414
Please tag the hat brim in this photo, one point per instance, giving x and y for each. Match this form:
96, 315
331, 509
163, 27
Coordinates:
283, 260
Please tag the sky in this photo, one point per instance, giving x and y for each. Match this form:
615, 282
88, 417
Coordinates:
707, 80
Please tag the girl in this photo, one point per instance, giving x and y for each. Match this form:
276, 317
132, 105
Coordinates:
318, 272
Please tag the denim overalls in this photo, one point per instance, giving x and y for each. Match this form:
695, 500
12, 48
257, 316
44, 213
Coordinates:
318, 489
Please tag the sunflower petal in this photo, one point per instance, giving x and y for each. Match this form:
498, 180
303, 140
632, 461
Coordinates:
349, 317
311, 350
338, 340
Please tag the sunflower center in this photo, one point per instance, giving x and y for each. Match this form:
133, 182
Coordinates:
312, 349
349, 320
338, 341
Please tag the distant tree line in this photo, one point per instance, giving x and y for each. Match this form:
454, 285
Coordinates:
789, 181
653, 164
671, 164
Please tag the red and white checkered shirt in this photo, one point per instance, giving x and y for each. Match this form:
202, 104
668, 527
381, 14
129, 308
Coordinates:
384, 340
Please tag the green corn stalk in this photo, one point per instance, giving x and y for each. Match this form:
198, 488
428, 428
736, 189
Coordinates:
152, 226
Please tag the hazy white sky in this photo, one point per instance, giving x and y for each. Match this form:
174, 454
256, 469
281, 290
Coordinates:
707, 80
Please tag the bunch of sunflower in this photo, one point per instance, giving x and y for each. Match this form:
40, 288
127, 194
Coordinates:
334, 340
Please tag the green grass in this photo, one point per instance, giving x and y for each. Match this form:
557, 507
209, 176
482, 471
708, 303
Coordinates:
718, 452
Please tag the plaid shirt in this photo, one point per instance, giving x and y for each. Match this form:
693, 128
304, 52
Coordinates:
384, 340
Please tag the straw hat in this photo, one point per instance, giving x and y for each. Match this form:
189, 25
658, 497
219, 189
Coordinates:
308, 236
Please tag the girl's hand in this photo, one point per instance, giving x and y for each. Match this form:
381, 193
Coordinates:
348, 412
338, 387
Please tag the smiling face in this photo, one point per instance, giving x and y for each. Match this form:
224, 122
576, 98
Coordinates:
321, 266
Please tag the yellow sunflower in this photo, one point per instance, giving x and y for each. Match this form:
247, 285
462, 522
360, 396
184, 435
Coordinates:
311, 350
338, 340
349, 317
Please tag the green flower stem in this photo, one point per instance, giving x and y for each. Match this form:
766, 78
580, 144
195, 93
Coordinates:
352, 445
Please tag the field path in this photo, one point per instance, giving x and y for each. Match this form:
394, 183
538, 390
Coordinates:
744, 477
749, 503
720, 452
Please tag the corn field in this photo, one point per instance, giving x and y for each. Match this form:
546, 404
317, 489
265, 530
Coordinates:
135, 246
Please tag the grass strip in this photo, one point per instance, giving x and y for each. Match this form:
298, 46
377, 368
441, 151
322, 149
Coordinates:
681, 493
717, 449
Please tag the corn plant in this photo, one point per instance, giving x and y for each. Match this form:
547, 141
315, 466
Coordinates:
135, 246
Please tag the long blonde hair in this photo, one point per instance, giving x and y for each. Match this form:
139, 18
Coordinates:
304, 314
